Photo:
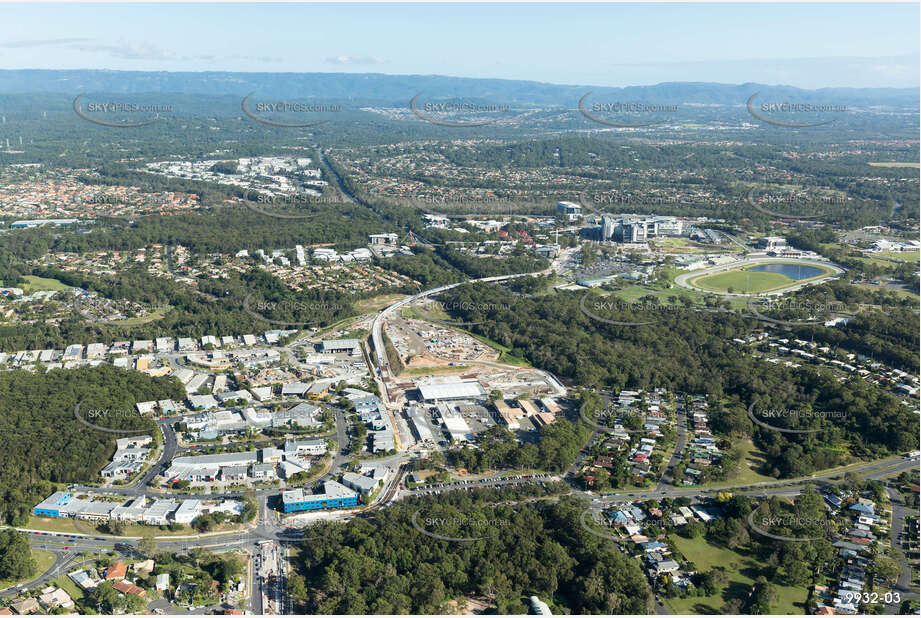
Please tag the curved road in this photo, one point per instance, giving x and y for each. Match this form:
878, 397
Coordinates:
682, 279
268, 527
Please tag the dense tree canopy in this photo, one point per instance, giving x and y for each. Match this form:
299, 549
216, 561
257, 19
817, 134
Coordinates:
42, 440
384, 565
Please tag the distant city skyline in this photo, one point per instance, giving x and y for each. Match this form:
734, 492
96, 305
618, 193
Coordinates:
803, 45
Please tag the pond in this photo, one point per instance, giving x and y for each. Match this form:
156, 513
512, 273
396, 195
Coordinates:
794, 271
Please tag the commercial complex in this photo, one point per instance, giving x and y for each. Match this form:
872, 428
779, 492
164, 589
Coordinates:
335, 495
635, 228
157, 513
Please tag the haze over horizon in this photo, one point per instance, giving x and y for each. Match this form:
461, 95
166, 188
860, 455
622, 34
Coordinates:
605, 45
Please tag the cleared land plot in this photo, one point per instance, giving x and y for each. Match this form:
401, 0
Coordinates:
751, 469
152, 316
902, 256
741, 570
34, 284
377, 303
893, 164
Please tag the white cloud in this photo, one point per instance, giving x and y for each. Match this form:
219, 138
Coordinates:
344, 60
40, 43
126, 50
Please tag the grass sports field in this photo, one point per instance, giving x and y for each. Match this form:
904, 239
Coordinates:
742, 281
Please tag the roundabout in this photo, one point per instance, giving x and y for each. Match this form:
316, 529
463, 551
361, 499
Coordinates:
759, 276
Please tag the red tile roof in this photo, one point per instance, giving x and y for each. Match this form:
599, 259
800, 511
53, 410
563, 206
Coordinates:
126, 587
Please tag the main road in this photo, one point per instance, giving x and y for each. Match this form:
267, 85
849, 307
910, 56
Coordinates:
67, 546
377, 339
269, 528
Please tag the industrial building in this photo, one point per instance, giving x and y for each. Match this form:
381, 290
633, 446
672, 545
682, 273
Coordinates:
188, 511
335, 346
454, 423
360, 483
335, 495
300, 448
383, 239
772, 242
508, 415
302, 415
420, 426
159, 512
207, 467
451, 391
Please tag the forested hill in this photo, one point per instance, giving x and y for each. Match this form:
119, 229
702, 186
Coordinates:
42, 440
385, 565
398, 89
692, 351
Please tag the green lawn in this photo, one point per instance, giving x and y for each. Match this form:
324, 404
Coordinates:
750, 473
69, 526
69, 587
902, 256
742, 281
34, 284
747, 281
897, 293
686, 245
632, 293
742, 570
53, 524
155, 314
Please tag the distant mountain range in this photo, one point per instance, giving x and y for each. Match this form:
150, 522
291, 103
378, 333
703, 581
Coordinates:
375, 88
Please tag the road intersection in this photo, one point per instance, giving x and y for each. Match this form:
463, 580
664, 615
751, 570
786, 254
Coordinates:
269, 526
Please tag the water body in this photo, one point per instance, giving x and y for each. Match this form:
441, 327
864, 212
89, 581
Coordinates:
794, 271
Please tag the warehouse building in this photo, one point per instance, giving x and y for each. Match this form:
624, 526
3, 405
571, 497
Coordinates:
450, 391
300, 448
207, 467
360, 483
188, 511
157, 514
336, 346
51, 506
420, 426
302, 415
455, 424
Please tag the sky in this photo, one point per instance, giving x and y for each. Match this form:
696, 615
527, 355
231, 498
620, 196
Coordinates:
803, 45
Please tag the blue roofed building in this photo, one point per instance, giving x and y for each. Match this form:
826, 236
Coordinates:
832, 500
51, 506
335, 495
620, 517
866, 509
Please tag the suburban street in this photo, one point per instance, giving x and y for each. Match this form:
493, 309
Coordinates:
270, 533
903, 586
